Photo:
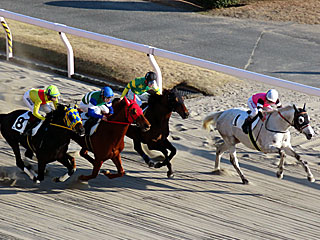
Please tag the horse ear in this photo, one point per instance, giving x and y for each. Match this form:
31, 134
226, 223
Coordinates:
134, 97
304, 107
295, 108
127, 101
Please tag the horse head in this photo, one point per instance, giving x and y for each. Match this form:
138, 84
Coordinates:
134, 114
301, 121
69, 117
176, 103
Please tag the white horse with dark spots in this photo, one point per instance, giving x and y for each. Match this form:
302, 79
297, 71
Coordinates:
268, 134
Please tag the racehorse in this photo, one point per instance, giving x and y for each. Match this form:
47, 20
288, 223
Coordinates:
49, 144
108, 140
270, 135
160, 108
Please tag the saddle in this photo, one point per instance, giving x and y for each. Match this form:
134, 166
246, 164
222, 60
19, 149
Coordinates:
239, 120
21, 122
90, 124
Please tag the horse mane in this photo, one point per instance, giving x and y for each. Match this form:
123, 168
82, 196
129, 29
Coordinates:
154, 98
282, 109
287, 107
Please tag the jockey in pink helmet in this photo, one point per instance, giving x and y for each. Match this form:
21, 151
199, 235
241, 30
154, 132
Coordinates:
261, 101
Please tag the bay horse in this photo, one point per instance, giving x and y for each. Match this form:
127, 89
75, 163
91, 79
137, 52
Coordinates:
50, 142
108, 140
158, 113
270, 135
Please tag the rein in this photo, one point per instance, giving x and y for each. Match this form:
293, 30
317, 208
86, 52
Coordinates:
284, 118
275, 131
124, 123
57, 125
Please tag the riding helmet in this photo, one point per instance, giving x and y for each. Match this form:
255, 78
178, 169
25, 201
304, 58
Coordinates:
52, 91
107, 92
151, 76
272, 95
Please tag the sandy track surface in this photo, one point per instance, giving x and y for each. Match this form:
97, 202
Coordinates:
144, 204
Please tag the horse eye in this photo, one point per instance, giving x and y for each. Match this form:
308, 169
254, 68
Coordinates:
301, 120
134, 111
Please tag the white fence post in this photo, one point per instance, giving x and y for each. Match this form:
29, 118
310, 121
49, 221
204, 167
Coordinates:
8, 38
158, 52
157, 70
70, 54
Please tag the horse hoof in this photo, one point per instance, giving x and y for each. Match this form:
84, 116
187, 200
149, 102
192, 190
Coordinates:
279, 175
35, 180
55, 179
170, 175
83, 178
245, 181
150, 164
105, 172
311, 179
158, 165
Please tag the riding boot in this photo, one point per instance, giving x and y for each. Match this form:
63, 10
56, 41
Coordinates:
246, 125
33, 121
89, 124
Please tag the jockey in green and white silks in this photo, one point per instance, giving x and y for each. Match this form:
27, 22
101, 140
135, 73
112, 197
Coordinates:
98, 103
140, 86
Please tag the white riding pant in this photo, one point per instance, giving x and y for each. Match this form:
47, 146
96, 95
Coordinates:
97, 109
139, 99
30, 104
254, 110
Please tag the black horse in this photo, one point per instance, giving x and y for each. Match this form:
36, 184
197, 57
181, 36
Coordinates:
50, 142
160, 108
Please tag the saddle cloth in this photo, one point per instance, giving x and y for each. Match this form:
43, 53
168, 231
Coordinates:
21, 123
84, 118
240, 118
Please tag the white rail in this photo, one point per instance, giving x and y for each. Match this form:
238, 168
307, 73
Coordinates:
163, 53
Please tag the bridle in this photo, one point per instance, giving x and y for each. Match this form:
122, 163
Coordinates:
294, 123
129, 116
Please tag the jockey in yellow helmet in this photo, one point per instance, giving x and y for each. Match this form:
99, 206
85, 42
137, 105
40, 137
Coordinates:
38, 100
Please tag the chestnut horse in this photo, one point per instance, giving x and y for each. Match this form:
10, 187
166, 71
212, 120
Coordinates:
160, 108
49, 144
108, 140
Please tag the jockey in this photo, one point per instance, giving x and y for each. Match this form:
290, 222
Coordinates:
97, 105
39, 99
261, 101
140, 86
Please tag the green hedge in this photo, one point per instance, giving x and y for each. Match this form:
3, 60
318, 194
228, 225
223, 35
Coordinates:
219, 3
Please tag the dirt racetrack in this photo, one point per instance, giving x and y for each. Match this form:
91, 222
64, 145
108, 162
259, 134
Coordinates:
144, 204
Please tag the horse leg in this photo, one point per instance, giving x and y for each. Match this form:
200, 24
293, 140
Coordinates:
289, 150
29, 154
220, 150
41, 168
27, 169
96, 167
137, 147
234, 161
69, 162
118, 163
84, 153
281, 164
163, 148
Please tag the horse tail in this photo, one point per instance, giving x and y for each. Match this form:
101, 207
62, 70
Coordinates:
211, 118
2, 116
